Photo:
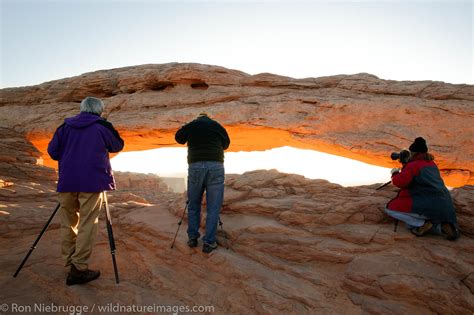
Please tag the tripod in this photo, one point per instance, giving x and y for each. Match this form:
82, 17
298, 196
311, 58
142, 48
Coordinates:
36, 242
109, 230
225, 235
111, 237
396, 221
181, 221
384, 185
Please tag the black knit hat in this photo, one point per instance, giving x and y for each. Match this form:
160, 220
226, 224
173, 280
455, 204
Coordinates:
419, 145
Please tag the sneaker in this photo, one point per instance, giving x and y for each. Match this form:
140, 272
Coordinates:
449, 231
76, 276
422, 230
207, 248
193, 242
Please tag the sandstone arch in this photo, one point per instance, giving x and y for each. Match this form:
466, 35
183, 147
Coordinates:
358, 116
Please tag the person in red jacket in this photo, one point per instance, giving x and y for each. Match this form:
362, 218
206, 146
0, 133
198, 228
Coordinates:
423, 202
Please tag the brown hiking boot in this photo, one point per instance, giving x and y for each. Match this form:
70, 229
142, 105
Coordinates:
449, 231
422, 230
76, 276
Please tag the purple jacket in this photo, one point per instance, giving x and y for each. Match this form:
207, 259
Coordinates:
82, 145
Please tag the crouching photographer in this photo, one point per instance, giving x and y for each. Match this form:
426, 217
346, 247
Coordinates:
423, 202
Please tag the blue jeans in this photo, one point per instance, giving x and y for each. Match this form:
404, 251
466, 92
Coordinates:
412, 219
205, 176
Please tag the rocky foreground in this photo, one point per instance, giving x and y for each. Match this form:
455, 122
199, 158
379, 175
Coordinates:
289, 245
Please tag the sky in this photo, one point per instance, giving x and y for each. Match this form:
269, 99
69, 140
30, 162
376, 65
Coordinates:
398, 40
311, 164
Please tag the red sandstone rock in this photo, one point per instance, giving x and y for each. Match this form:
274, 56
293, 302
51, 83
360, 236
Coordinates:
464, 204
283, 256
144, 188
357, 116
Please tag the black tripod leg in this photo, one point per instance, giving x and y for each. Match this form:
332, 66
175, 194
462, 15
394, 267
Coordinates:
225, 235
36, 242
382, 186
396, 225
111, 237
179, 223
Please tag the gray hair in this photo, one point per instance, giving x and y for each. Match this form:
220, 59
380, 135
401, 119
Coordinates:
92, 105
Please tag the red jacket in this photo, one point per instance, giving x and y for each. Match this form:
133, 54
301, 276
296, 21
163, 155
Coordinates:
423, 192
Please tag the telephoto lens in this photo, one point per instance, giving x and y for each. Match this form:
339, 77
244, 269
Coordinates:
395, 156
403, 156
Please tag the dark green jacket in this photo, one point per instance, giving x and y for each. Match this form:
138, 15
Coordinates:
206, 139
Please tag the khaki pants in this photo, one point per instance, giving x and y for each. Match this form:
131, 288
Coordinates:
79, 221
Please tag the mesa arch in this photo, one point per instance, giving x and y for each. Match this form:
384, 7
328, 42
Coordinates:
357, 116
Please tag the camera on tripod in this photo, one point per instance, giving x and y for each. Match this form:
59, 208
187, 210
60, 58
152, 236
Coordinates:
401, 156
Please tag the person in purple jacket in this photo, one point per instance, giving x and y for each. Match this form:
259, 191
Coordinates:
81, 145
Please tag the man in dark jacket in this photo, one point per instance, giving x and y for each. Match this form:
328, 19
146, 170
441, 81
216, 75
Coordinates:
81, 145
423, 200
207, 140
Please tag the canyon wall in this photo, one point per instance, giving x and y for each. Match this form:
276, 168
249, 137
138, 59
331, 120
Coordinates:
357, 116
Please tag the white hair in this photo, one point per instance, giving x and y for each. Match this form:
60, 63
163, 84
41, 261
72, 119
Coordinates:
92, 105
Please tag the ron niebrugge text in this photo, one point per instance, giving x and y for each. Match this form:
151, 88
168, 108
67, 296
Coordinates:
106, 308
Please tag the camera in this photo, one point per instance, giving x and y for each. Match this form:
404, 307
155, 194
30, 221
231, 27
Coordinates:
403, 156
